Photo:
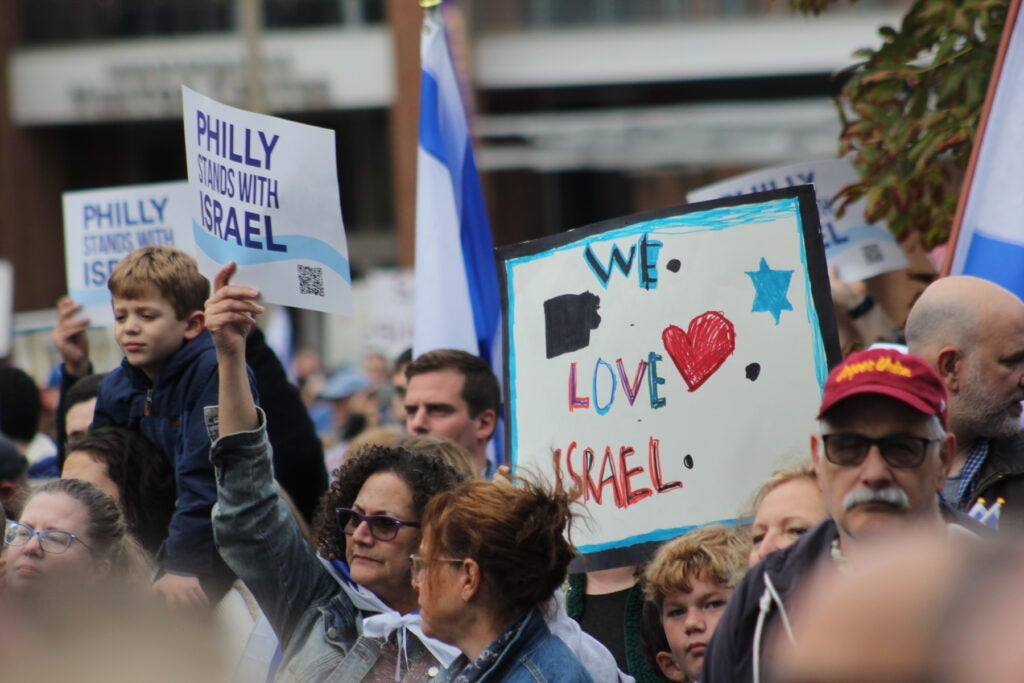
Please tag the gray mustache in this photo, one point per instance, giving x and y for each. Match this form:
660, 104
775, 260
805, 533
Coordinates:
892, 495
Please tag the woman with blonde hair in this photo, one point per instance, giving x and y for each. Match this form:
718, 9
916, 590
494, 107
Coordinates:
786, 506
444, 449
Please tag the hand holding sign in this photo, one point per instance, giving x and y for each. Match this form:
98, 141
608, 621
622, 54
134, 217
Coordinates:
71, 338
231, 313
265, 196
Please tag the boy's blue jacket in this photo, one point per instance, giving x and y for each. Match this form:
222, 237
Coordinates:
170, 413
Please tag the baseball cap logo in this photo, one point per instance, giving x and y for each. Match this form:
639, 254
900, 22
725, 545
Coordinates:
883, 364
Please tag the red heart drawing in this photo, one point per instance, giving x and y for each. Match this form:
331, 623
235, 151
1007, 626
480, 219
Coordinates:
702, 348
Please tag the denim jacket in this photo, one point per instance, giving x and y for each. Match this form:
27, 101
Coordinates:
531, 655
315, 621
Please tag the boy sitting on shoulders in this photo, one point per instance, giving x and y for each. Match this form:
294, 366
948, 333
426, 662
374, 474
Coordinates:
166, 380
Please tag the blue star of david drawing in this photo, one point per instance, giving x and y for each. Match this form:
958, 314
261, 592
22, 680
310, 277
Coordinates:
770, 290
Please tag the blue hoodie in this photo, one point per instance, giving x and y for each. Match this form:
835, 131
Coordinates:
170, 412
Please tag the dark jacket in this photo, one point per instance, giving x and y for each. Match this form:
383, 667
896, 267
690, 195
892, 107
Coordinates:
170, 413
1002, 476
534, 655
298, 451
729, 658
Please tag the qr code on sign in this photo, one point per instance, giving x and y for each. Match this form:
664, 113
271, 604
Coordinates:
311, 280
872, 253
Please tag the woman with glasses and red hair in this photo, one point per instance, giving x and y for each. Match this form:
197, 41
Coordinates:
491, 558
346, 609
70, 536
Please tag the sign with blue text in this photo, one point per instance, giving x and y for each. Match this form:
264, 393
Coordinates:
264, 194
856, 248
664, 364
103, 226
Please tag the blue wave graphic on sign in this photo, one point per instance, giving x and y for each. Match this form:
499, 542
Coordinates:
91, 297
299, 247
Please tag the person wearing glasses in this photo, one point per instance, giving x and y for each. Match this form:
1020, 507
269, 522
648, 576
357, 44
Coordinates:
881, 456
70, 536
344, 610
491, 556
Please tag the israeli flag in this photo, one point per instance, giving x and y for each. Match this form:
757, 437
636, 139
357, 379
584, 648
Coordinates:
990, 243
457, 300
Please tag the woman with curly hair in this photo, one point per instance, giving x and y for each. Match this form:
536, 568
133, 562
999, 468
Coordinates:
349, 614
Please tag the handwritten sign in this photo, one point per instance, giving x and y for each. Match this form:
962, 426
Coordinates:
103, 226
264, 193
856, 248
665, 364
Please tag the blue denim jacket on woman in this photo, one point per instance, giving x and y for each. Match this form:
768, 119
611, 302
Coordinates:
531, 655
314, 619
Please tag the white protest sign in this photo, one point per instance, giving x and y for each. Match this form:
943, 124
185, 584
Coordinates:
856, 248
6, 307
390, 326
265, 195
666, 363
103, 226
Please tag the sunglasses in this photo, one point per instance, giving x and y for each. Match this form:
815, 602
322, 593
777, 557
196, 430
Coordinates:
381, 527
901, 452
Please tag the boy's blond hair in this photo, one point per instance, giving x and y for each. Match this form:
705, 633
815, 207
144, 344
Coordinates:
716, 554
171, 272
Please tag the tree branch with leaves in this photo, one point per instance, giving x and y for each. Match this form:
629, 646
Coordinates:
910, 110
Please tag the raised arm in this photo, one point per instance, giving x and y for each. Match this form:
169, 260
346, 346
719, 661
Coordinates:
230, 316
256, 533
71, 338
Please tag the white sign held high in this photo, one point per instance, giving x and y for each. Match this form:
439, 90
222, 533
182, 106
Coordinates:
856, 248
265, 195
103, 226
665, 364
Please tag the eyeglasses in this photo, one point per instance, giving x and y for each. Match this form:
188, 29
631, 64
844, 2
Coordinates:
419, 563
382, 527
53, 541
850, 450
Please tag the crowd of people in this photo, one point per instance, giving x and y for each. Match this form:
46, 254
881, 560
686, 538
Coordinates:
350, 526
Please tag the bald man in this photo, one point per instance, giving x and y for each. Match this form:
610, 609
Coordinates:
972, 332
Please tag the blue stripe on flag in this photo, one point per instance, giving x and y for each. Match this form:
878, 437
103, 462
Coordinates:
430, 127
444, 136
997, 260
478, 256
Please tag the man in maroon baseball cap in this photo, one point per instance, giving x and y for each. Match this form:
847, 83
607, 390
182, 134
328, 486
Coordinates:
881, 456
883, 451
